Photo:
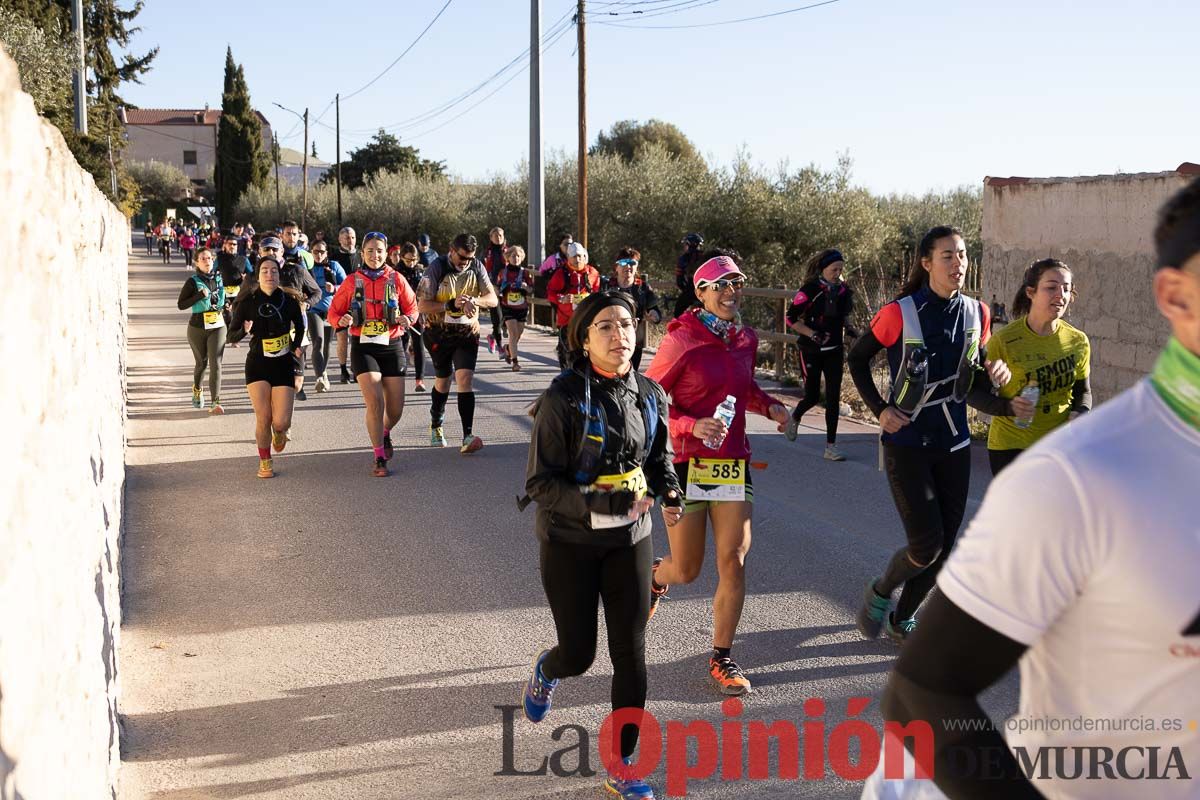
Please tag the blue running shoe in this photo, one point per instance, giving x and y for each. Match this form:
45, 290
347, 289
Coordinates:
632, 789
901, 630
538, 691
874, 609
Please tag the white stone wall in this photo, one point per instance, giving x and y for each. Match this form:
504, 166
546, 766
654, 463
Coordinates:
64, 261
1102, 227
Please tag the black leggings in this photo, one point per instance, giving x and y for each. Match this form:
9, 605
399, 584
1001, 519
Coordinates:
497, 326
319, 342
576, 578
412, 338
561, 347
999, 459
830, 364
929, 488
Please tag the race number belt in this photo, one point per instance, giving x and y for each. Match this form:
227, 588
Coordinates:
374, 331
213, 320
633, 481
274, 348
721, 479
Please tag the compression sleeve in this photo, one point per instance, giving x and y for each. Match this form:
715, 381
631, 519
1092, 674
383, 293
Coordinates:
1081, 395
859, 362
948, 661
981, 398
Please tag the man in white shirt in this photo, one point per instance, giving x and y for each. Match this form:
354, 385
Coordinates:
1083, 564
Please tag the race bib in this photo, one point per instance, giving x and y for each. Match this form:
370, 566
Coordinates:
576, 299
374, 331
634, 481
516, 299
721, 479
274, 348
213, 320
232, 291
457, 318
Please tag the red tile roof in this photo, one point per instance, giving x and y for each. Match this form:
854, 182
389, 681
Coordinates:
177, 116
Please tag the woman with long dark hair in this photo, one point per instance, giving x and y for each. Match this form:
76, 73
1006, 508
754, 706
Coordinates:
204, 294
820, 313
600, 456
934, 336
1050, 362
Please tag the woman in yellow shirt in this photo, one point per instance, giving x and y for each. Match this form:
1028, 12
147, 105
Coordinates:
1043, 351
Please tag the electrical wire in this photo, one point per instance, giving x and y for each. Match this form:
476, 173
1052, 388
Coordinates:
716, 24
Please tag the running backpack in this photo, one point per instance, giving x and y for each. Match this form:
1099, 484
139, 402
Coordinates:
589, 452
358, 310
911, 389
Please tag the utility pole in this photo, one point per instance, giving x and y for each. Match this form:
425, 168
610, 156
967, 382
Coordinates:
80, 76
582, 234
275, 151
337, 156
304, 173
537, 171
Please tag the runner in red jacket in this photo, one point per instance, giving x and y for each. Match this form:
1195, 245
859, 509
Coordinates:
377, 304
706, 357
566, 290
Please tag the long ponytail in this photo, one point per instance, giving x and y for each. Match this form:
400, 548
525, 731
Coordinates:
918, 276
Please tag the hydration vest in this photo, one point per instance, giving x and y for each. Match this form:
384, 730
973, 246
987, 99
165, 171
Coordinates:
912, 391
589, 451
390, 313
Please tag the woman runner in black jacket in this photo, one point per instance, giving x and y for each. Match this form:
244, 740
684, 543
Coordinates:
595, 479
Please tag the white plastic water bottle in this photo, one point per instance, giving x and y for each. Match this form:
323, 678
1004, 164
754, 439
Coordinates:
724, 413
1031, 392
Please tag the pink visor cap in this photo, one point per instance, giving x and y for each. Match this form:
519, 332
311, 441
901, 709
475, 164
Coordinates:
715, 269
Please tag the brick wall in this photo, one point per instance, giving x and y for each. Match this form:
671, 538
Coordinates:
63, 405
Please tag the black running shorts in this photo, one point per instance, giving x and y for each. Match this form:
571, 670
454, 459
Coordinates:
386, 359
280, 371
518, 314
450, 353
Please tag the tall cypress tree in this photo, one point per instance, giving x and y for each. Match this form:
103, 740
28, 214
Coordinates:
241, 160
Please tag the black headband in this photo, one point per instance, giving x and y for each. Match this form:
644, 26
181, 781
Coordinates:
592, 305
1178, 248
832, 257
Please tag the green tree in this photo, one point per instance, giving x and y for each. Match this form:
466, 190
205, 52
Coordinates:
241, 159
165, 183
630, 140
107, 26
384, 153
43, 61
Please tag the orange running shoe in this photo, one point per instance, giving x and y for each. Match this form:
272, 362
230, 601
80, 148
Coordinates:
279, 440
728, 677
265, 469
655, 594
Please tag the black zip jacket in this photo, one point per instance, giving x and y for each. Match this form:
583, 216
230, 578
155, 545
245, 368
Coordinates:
826, 310
233, 268
564, 511
272, 316
190, 294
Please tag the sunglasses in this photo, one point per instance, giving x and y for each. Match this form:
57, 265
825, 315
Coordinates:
374, 235
725, 283
627, 262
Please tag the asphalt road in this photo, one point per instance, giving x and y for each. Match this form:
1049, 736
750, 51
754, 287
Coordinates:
327, 634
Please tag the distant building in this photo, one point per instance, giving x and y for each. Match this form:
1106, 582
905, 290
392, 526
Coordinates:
186, 138
291, 167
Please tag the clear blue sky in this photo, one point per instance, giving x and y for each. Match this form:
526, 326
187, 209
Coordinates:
923, 94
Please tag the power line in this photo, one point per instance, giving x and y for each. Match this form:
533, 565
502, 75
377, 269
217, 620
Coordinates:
662, 10
716, 24
402, 55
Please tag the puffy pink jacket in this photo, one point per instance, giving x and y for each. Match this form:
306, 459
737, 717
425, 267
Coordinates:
697, 370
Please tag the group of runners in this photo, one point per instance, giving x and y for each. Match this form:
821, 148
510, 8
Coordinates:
610, 442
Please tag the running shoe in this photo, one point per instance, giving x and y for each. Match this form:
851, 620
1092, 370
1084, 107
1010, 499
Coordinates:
300, 395
631, 789
471, 444
793, 425
279, 440
899, 631
833, 454
516, 367
388, 450
215, 409
197, 397
655, 594
381, 470
504, 353
345, 375
538, 692
322, 384
420, 387
437, 437
491, 343
727, 676
265, 469
874, 609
